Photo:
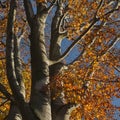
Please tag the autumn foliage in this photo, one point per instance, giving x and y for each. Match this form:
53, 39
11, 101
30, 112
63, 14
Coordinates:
92, 80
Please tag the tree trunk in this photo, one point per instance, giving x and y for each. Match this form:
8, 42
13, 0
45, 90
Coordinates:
40, 91
40, 106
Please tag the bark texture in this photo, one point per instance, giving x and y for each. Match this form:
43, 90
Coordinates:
41, 105
40, 95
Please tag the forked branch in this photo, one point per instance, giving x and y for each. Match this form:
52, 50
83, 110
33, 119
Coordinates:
74, 43
10, 53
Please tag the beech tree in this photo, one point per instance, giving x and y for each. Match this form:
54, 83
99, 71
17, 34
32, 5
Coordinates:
42, 85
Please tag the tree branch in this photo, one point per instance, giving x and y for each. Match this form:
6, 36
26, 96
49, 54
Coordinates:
114, 8
63, 113
60, 23
89, 45
6, 93
117, 69
56, 37
3, 102
113, 22
111, 45
29, 10
99, 7
79, 38
10, 53
89, 72
107, 81
18, 65
52, 5
73, 44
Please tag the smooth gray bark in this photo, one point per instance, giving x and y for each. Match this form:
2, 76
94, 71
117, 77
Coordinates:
41, 106
40, 92
40, 101
20, 107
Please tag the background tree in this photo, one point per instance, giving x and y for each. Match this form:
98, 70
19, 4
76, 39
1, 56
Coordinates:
32, 37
